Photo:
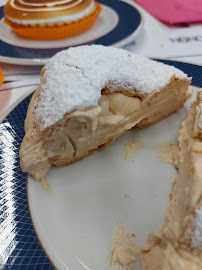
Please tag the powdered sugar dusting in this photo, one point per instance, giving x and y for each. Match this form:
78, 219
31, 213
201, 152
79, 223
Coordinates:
197, 235
194, 233
74, 78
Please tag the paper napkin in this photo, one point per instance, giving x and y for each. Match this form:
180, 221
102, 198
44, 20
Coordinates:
174, 11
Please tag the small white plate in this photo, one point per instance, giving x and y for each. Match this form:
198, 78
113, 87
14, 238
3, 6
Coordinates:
118, 23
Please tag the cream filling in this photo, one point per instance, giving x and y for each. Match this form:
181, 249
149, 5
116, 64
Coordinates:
131, 149
168, 258
62, 19
170, 155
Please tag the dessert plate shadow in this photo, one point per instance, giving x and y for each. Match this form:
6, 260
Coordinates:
118, 23
74, 229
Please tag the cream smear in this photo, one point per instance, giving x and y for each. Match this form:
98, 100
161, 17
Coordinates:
124, 249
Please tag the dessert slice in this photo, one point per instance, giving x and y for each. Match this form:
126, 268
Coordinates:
178, 245
89, 96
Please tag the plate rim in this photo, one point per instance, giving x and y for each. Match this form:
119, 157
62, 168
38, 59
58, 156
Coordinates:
34, 228
43, 61
16, 103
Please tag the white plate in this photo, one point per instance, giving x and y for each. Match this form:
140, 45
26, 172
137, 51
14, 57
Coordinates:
95, 193
75, 230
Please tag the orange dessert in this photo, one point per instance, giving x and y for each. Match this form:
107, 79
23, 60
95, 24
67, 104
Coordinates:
1, 77
51, 19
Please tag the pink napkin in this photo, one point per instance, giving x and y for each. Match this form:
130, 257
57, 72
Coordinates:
174, 11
